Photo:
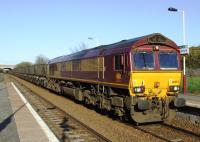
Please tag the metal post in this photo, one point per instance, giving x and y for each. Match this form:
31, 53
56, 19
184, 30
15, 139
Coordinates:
184, 77
184, 37
184, 67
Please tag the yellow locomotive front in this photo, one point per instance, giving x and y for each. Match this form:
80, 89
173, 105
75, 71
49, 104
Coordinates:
155, 82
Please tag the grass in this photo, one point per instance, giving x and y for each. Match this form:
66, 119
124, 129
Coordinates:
193, 84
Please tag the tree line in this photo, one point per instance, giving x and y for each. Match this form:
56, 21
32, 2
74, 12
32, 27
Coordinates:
41, 59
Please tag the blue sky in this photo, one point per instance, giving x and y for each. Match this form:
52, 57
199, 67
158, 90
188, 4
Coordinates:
52, 28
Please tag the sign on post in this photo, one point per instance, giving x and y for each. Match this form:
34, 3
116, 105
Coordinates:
184, 50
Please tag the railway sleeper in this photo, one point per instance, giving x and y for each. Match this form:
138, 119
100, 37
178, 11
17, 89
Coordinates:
69, 136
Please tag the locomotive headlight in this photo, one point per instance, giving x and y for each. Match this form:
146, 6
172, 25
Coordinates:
174, 88
140, 89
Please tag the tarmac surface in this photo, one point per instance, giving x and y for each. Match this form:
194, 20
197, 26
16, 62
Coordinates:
8, 129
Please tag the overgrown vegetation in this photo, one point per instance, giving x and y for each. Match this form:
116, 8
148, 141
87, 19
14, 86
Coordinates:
193, 85
193, 59
193, 65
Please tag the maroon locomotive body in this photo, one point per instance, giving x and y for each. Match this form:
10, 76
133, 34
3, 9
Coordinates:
139, 77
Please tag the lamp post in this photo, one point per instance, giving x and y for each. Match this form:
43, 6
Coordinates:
184, 43
94, 39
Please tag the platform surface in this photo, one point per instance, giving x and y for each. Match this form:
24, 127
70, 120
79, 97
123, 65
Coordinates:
17, 124
191, 100
8, 129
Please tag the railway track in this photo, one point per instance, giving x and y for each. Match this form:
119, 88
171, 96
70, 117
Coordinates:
190, 113
169, 133
65, 129
64, 126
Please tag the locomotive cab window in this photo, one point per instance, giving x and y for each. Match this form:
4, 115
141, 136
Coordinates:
118, 62
168, 61
144, 60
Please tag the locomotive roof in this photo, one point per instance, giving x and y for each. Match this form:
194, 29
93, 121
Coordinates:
98, 51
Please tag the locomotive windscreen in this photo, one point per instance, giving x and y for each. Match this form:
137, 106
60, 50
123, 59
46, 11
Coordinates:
168, 60
144, 60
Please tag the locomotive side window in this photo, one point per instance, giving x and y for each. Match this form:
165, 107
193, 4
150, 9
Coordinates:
168, 60
118, 62
144, 60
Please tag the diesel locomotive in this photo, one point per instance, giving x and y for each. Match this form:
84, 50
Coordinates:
137, 78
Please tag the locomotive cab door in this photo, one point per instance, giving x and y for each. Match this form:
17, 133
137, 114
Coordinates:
116, 69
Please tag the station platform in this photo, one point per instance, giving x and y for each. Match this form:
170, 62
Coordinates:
18, 120
191, 100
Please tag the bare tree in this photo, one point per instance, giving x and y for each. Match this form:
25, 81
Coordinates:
41, 59
23, 64
80, 47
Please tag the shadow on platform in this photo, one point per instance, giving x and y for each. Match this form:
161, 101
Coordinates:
7, 120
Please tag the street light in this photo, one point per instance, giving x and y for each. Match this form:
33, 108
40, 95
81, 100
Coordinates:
184, 43
94, 39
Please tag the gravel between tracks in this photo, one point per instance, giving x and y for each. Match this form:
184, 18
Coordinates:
112, 129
